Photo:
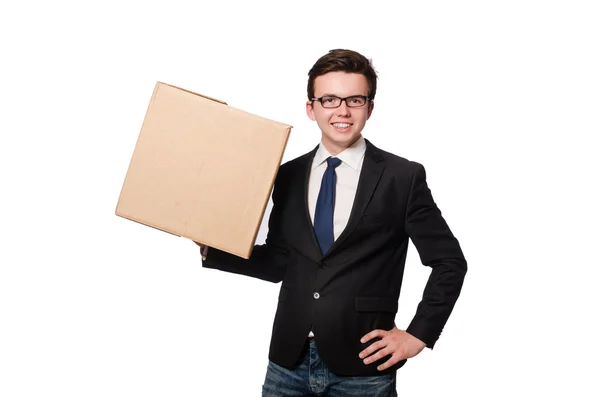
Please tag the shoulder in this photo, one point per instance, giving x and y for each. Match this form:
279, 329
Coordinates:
394, 161
294, 169
297, 165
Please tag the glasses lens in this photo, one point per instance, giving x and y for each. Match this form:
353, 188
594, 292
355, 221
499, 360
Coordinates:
331, 102
356, 101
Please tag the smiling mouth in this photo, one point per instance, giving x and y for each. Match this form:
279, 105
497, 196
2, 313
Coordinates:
341, 125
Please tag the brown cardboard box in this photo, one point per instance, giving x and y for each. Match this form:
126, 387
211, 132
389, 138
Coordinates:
202, 170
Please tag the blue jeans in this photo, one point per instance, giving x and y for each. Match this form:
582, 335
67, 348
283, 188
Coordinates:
313, 378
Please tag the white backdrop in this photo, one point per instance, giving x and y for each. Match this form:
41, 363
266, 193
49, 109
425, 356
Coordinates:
499, 100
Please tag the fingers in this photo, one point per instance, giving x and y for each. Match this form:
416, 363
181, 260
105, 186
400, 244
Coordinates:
392, 361
371, 349
389, 345
203, 249
379, 355
377, 333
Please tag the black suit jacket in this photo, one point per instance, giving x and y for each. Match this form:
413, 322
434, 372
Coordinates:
354, 287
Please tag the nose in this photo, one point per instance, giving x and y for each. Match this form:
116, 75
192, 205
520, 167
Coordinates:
343, 110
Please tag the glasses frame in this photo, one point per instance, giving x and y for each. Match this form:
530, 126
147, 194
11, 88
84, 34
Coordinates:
366, 98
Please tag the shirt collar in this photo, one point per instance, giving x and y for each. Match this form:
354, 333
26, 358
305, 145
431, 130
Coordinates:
351, 156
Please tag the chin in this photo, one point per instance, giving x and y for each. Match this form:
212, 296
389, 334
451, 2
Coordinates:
347, 137
341, 139
344, 142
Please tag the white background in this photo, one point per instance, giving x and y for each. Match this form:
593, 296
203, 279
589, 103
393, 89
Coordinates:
499, 100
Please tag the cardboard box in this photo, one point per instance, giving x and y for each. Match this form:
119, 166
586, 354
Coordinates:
202, 170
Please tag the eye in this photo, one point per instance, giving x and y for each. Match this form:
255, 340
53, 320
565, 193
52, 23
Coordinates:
328, 99
357, 100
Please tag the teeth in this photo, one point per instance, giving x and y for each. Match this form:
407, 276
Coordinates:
341, 125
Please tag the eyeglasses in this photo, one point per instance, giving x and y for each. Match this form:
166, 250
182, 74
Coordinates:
354, 101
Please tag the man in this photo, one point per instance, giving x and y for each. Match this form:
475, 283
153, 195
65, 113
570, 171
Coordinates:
338, 236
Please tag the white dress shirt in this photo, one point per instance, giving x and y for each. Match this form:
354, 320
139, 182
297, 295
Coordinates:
347, 175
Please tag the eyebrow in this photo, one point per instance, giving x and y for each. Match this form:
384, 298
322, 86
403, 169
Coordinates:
337, 96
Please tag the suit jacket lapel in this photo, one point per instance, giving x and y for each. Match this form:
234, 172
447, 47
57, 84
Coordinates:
303, 232
370, 175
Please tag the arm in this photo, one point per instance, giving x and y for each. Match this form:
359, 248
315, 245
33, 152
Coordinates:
267, 261
439, 249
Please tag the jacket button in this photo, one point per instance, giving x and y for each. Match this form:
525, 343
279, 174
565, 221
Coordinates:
321, 264
316, 295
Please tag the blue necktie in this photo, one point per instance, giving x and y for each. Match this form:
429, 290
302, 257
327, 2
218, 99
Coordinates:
323, 224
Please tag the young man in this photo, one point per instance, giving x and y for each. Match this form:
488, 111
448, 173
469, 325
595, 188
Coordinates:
338, 236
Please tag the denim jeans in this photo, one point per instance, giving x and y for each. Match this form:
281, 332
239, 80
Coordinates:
313, 378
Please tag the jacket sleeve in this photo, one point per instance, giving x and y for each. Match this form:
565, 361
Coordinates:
268, 261
439, 249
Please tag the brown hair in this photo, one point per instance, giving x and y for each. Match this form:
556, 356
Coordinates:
343, 61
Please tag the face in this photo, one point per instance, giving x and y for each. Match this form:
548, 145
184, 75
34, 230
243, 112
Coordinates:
342, 126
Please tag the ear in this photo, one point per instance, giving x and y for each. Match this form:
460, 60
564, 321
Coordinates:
310, 112
371, 106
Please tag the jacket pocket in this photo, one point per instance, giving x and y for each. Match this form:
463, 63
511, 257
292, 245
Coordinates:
375, 304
